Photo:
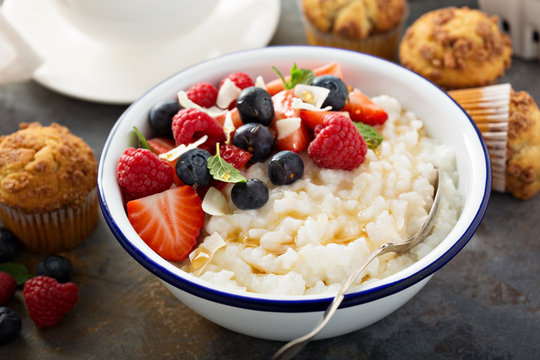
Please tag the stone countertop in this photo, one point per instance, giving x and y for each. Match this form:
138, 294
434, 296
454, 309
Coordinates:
485, 303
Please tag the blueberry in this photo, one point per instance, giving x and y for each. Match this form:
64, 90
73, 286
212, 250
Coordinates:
285, 167
160, 117
254, 104
57, 267
255, 138
338, 91
8, 245
10, 325
192, 169
251, 194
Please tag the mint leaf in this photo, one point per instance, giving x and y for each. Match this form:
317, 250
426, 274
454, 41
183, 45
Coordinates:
298, 76
371, 136
142, 139
222, 170
19, 272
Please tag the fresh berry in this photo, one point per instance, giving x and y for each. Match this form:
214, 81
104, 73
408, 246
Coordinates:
312, 118
8, 245
8, 286
251, 194
255, 138
234, 155
285, 167
337, 144
47, 300
362, 109
169, 222
203, 94
192, 169
141, 173
297, 140
160, 117
189, 125
160, 145
240, 79
254, 104
10, 325
338, 91
57, 267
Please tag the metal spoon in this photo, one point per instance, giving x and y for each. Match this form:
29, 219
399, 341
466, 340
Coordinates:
293, 347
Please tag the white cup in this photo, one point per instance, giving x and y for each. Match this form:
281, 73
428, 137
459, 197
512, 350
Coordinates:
131, 22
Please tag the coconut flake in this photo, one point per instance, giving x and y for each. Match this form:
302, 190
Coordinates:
186, 103
298, 104
314, 95
259, 82
228, 92
175, 153
287, 126
201, 256
228, 127
214, 203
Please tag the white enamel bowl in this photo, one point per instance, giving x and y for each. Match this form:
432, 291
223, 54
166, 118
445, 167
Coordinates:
286, 317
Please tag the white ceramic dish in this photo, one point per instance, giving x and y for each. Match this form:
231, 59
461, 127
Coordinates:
287, 317
78, 66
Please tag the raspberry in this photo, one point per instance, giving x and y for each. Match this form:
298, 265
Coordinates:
189, 125
337, 144
203, 94
7, 287
240, 79
141, 173
49, 301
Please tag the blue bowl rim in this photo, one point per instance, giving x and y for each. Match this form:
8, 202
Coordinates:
294, 305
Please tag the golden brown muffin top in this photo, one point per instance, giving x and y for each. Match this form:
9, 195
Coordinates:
523, 167
354, 19
45, 168
453, 38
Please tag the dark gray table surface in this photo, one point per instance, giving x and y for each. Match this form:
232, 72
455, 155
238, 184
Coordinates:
484, 304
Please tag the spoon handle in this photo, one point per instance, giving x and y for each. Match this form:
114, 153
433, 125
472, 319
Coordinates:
289, 350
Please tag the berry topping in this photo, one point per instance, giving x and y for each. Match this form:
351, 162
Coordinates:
192, 169
240, 79
255, 138
47, 300
160, 145
169, 222
338, 91
251, 194
141, 173
161, 115
203, 94
337, 144
7, 287
363, 109
10, 325
234, 155
57, 267
189, 125
254, 104
8, 245
285, 167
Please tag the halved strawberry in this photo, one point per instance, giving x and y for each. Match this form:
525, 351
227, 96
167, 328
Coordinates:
361, 108
313, 118
298, 139
169, 222
333, 68
160, 145
234, 155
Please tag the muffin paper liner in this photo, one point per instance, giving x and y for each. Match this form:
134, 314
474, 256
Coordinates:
489, 107
53, 231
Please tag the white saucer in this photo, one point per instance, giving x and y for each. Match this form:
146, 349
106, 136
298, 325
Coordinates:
77, 66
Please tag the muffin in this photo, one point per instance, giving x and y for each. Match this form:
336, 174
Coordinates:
48, 195
370, 26
510, 125
456, 48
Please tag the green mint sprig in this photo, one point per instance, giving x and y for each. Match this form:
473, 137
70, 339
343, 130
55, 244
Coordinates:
221, 170
142, 139
298, 76
371, 136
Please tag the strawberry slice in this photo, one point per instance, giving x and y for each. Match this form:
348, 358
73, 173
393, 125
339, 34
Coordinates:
169, 222
361, 108
160, 145
234, 155
313, 118
297, 140
333, 68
